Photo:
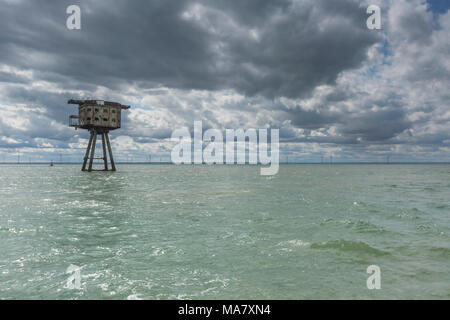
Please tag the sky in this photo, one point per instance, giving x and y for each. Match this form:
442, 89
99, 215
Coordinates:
310, 68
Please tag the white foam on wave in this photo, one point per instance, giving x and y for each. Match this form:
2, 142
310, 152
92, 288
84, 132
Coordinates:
288, 245
298, 243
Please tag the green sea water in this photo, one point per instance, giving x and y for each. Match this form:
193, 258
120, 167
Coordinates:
225, 232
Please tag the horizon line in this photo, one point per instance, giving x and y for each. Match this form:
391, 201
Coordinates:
253, 164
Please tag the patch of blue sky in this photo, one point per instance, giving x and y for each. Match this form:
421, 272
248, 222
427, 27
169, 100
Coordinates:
439, 6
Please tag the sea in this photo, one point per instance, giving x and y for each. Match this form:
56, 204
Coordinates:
160, 231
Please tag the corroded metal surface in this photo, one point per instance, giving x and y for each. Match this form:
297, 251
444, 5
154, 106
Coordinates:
97, 114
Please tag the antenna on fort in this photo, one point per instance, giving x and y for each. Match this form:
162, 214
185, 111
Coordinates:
99, 117
388, 159
331, 159
18, 157
321, 159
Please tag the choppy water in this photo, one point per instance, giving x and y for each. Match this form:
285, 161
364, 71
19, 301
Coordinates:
199, 232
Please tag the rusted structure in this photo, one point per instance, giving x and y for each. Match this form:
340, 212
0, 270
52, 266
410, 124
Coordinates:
99, 117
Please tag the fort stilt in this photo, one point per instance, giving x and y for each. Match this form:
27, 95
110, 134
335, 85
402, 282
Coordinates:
113, 166
105, 159
94, 142
90, 152
86, 156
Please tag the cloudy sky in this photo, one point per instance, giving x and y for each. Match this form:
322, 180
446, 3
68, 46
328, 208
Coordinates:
310, 68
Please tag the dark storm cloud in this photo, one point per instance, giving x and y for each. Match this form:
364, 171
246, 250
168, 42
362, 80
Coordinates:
12, 78
119, 41
313, 119
310, 45
178, 45
55, 103
378, 125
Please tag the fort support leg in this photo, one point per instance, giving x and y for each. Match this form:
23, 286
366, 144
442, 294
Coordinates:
94, 141
86, 156
113, 166
105, 158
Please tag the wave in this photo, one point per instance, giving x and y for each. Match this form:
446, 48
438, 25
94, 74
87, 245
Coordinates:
294, 243
348, 246
363, 226
441, 251
359, 226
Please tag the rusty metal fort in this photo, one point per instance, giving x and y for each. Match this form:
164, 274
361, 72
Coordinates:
99, 117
